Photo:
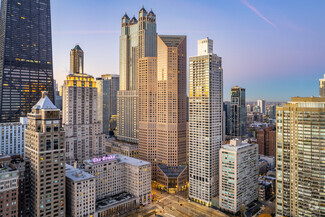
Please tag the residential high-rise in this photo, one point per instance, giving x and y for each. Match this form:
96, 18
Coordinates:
266, 140
272, 111
238, 175
12, 137
171, 113
300, 157
80, 192
77, 60
25, 56
205, 123
238, 112
322, 87
45, 159
107, 87
138, 39
262, 105
84, 137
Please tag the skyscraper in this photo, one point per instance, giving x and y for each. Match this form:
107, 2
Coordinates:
171, 112
138, 39
84, 137
107, 87
26, 56
77, 60
205, 123
45, 157
322, 87
238, 112
262, 105
300, 158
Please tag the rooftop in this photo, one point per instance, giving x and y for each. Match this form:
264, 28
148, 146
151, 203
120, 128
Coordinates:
113, 200
236, 145
172, 40
44, 102
172, 171
76, 174
77, 47
120, 158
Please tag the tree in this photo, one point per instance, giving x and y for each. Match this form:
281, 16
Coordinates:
242, 210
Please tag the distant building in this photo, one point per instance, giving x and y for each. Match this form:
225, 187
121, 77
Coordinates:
117, 173
238, 175
322, 87
45, 159
238, 112
262, 105
249, 108
77, 60
205, 123
272, 111
12, 137
227, 120
80, 192
300, 157
114, 146
266, 140
107, 87
9, 188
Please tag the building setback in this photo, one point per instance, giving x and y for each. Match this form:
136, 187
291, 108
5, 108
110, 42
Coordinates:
238, 112
205, 123
80, 192
25, 56
107, 87
238, 175
45, 159
12, 137
138, 39
300, 157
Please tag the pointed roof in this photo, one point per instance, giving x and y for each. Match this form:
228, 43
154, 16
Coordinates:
44, 102
77, 47
152, 13
142, 9
172, 40
126, 16
133, 20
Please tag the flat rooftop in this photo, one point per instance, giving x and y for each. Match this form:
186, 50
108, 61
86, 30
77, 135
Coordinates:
76, 174
120, 159
108, 202
236, 145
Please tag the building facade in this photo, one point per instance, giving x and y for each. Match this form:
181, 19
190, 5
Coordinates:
262, 105
26, 56
205, 123
9, 188
266, 140
322, 87
84, 137
238, 112
138, 39
114, 146
80, 192
227, 117
45, 159
76, 60
238, 175
107, 87
12, 137
300, 158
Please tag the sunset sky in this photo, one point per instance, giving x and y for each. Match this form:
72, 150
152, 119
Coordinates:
275, 49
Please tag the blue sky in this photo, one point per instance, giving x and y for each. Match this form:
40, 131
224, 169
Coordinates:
275, 49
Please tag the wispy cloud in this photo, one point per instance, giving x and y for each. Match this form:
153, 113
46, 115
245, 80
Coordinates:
256, 11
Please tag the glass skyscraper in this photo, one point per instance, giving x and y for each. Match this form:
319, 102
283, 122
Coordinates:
25, 56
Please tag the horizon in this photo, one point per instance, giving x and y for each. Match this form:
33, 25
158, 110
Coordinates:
277, 56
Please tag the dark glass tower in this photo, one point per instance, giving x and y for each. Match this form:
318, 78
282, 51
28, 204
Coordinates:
25, 56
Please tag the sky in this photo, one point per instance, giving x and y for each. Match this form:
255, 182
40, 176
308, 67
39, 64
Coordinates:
273, 48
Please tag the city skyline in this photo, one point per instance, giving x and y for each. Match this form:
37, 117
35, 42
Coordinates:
290, 48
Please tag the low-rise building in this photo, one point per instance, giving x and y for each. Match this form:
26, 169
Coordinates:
80, 192
114, 146
12, 137
238, 175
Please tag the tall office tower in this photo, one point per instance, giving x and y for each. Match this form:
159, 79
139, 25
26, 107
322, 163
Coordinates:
171, 113
261, 103
300, 157
227, 120
322, 87
238, 175
84, 137
45, 159
26, 56
107, 87
147, 89
138, 39
205, 123
77, 60
238, 112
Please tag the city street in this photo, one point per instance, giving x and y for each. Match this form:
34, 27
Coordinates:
174, 205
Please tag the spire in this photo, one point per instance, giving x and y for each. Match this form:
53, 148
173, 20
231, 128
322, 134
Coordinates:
77, 47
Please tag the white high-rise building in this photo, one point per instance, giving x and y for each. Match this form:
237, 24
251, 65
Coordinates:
12, 137
238, 175
262, 105
205, 123
322, 87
